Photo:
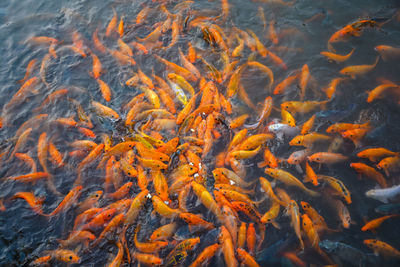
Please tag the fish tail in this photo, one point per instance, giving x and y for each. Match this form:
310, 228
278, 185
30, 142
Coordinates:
306, 179
259, 201
262, 164
51, 185
312, 193
323, 104
376, 61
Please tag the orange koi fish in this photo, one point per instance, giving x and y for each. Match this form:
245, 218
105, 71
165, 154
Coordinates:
206, 198
388, 52
52, 98
149, 247
22, 140
227, 247
287, 118
42, 150
342, 127
374, 224
28, 160
122, 192
271, 214
55, 156
147, 259
92, 156
338, 186
307, 126
317, 220
135, 207
142, 15
294, 212
184, 246
262, 68
164, 232
327, 158
310, 176
121, 28
336, 57
246, 259
369, 172
119, 257
161, 208
331, 89
34, 202
205, 256
304, 77
97, 70
111, 227
97, 43
289, 179
303, 107
97, 219
195, 221
375, 154
382, 248
112, 25
266, 186
357, 70
353, 29
77, 237
104, 111
269, 160
105, 90
30, 177
64, 255
241, 239
281, 87
355, 135
389, 164
90, 202
308, 140
70, 199
379, 91
29, 69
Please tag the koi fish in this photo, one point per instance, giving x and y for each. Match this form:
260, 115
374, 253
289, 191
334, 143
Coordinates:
374, 224
357, 70
289, 179
336, 57
369, 172
375, 154
382, 248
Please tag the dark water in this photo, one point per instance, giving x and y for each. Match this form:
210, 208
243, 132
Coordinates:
24, 236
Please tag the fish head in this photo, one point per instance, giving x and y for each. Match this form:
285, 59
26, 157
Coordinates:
297, 141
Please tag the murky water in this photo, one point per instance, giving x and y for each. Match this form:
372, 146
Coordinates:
303, 30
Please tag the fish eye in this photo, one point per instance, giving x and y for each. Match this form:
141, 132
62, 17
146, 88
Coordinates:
97, 195
298, 142
317, 159
70, 257
268, 220
286, 106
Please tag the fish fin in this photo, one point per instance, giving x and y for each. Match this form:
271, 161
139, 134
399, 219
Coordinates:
262, 164
191, 228
306, 179
276, 225
260, 201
